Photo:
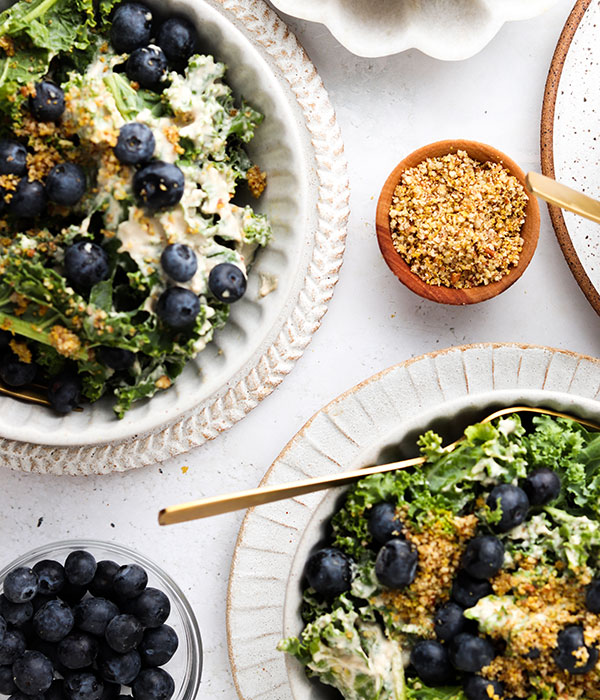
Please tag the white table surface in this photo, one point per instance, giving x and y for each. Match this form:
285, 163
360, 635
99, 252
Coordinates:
386, 108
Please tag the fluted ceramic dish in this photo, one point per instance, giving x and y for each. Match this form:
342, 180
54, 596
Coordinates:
449, 30
300, 147
377, 421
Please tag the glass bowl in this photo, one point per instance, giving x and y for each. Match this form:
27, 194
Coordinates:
186, 665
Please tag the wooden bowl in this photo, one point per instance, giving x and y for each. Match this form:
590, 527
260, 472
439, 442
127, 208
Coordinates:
447, 295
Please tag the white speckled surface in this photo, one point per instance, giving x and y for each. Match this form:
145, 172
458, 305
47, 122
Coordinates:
386, 108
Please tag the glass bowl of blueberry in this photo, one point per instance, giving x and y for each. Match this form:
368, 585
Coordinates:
90, 620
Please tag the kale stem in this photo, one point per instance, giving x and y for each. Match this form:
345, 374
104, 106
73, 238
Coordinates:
41, 9
24, 328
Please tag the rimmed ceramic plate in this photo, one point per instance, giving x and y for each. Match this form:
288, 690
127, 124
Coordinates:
446, 390
448, 31
569, 140
300, 147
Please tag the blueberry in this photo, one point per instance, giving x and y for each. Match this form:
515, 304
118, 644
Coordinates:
329, 572
119, 668
64, 392
51, 576
572, 654
130, 580
33, 673
7, 683
65, 184
542, 486
466, 590
396, 564
430, 661
48, 103
469, 653
479, 688
178, 38
148, 67
77, 650
115, 358
53, 621
384, 523
151, 608
93, 615
153, 684
179, 262
28, 200
16, 614
21, 584
21, 696
16, 373
513, 504
592, 596
13, 158
12, 647
135, 144
3, 627
123, 633
227, 282
86, 264
158, 645
131, 27
83, 686
158, 185
449, 621
178, 307
483, 557
80, 567
102, 583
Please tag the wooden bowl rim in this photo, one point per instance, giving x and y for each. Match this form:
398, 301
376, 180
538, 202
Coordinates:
447, 295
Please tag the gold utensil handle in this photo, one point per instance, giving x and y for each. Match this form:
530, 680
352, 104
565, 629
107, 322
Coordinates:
564, 197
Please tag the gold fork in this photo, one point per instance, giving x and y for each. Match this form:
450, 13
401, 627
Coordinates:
217, 505
32, 394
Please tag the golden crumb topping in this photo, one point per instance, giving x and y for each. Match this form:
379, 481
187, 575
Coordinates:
257, 181
64, 341
21, 350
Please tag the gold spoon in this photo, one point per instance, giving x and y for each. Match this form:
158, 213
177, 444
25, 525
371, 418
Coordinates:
217, 505
562, 196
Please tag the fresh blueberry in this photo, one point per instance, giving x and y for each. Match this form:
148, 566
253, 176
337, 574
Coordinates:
542, 486
479, 688
86, 264
65, 184
148, 67
151, 608
153, 684
466, 590
13, 158
28, 200
449, 621
64, 392
396, 564
513, 504
16, 614
135, 144
33, 673
130, 580
80, 567
115, 358
119, 668
469, 653
158, 185
93, 615
179, 262
21, 584
83, 685
131, 27
158, 645
178, 38
227, 282
430, 661
16, 373
48, 103
53, 621
77, 650
7, 683
572, 654
12, 647
123, 633
592, 596
51, 576
384, 523
329, 572
483, 557
178, 307
102, 583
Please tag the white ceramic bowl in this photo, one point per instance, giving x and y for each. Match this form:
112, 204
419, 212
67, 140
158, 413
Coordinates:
299, 146
450, 30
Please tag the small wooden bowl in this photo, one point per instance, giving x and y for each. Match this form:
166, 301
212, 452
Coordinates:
447, 295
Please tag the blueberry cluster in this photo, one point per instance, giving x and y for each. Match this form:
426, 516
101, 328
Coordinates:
82, 631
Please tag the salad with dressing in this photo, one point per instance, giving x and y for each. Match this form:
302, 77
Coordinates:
121, 150
473, 577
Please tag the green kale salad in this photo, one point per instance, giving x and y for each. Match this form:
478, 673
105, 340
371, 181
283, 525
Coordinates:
121, 149
473, 577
